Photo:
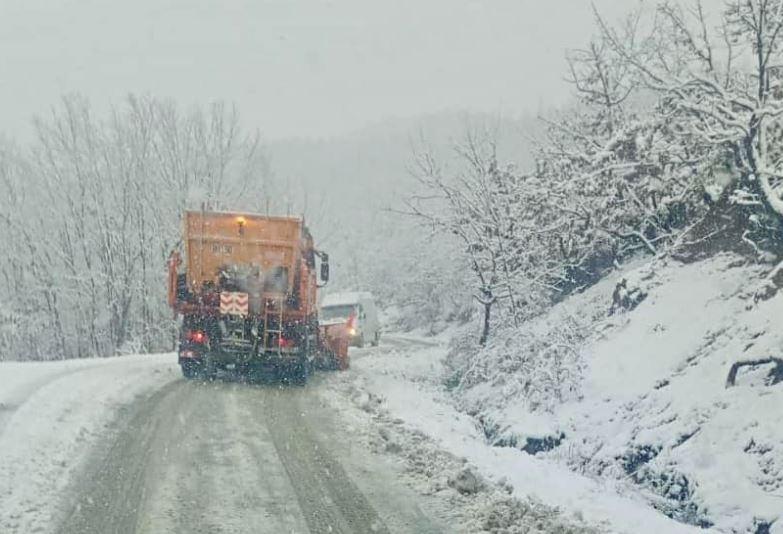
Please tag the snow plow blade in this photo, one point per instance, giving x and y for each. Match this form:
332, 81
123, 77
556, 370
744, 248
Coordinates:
334, 347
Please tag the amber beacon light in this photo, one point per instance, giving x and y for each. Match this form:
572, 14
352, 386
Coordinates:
241, 224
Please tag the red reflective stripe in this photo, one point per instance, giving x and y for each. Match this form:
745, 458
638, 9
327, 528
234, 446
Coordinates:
234, 302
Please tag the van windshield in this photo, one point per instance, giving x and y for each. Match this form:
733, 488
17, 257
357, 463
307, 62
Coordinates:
329, 313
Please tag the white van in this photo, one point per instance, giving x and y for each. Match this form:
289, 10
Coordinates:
360, 309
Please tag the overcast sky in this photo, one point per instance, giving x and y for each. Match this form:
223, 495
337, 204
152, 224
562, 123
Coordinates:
296, 68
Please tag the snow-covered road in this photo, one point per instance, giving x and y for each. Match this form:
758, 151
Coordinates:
228, 457
126, 445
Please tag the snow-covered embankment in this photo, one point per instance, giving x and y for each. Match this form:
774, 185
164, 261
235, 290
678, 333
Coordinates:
640, 431
50, 415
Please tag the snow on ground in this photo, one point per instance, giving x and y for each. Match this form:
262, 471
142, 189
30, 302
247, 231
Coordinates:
405, 380
50, 413
651, 413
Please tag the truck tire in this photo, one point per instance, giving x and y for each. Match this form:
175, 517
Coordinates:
255, 373
343, 362
300, 372
191, 370
300, 375
209, 372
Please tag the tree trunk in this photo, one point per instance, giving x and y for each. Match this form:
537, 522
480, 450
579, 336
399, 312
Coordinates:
485, 329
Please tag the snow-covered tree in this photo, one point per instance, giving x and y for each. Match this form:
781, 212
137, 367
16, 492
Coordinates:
615, 164
97, 207
496, 213
722, 94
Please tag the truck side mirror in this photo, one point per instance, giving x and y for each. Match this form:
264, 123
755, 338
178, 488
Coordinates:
325, 268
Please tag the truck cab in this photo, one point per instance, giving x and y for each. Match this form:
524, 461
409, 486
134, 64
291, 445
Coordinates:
357, 311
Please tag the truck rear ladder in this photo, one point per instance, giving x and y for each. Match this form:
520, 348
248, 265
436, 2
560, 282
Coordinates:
273, 321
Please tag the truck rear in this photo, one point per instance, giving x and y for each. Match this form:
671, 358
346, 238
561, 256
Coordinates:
247, 295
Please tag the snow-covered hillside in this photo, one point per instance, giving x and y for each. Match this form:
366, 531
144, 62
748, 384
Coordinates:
641, 400
416, 420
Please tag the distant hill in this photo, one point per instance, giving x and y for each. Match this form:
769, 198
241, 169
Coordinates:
362, 172
349, 186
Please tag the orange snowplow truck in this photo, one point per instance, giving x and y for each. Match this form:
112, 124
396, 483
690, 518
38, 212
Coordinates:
247, 296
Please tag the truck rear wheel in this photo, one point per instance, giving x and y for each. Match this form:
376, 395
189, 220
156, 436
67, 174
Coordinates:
300, 372
210, 370
342, 362
191, 370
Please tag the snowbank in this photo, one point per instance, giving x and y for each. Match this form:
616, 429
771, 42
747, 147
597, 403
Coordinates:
407, 381
50, 413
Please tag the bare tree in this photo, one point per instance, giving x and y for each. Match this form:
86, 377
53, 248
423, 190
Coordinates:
496, 213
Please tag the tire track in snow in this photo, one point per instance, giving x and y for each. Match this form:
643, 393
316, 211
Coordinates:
227, 457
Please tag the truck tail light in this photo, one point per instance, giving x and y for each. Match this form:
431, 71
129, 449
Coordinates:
197, 336
285, 343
